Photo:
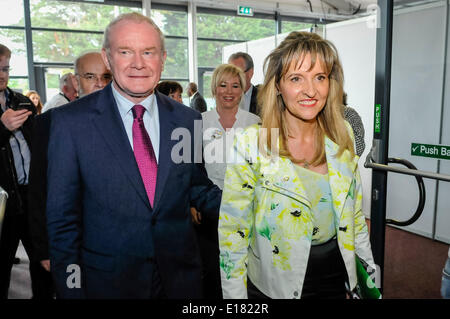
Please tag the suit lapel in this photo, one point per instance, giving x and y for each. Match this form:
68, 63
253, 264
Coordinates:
165, 163
340, 172
110, 126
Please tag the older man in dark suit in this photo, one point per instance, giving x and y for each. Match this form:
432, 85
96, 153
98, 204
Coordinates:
119, 196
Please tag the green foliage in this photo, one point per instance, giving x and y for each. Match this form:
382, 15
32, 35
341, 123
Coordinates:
52, 46
289, 26
53, 81
19, 85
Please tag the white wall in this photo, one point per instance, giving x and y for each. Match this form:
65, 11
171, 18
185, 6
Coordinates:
416, 101
355, 40
443, 203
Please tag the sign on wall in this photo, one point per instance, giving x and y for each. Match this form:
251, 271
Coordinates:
428, 150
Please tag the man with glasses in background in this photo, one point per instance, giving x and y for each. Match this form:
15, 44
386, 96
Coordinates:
245, 62
91, 73
16, 120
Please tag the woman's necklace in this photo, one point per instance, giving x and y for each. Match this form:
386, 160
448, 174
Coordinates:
303, 162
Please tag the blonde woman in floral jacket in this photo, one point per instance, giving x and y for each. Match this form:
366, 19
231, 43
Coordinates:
290, 222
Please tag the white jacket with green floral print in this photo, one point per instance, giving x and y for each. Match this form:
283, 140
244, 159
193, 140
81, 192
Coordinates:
265, 223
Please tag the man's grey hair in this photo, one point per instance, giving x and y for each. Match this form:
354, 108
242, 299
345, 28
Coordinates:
135, 17
247, 58
66, 79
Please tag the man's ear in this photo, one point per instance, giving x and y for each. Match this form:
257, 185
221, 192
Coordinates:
106, 59
163, 58
251, 72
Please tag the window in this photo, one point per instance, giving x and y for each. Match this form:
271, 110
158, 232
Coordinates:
15, 41
171, 22
173, 25
289, 26
233, 27
216, 31
74, 15
12, 13
59, 46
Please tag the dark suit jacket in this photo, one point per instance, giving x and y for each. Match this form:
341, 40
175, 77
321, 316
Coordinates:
198, 103
98, 213
37, 186
253, 102
8, 175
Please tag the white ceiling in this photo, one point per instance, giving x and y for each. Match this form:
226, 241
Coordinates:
319, 9
331, 9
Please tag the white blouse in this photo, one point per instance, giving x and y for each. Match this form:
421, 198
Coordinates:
217, 142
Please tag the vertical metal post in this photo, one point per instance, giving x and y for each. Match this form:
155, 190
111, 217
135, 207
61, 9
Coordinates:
192, 42
147, 8
29, 44
39, 72
381, 131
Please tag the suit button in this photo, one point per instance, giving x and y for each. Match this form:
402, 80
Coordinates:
150, 260
344, 229
153, 222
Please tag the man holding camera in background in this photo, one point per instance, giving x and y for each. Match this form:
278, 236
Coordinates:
16, 121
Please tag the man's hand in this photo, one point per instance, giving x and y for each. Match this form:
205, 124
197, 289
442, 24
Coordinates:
12, 120
46, 264
196, 216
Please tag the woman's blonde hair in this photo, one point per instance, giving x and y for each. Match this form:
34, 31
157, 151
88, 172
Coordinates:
226, 70
39, 106
330, 120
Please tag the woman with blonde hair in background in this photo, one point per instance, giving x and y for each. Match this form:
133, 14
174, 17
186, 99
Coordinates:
36, 99
219, 127
291, 222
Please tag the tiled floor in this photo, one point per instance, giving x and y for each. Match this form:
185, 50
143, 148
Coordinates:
413, 268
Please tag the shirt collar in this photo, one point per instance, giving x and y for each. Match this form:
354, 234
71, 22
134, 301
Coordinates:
238, 116
4, 107
249, 91
126, 105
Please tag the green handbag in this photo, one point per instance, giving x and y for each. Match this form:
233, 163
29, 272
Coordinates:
366, 288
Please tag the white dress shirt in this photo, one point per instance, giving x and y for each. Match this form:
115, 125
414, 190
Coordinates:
217, 142
151, 118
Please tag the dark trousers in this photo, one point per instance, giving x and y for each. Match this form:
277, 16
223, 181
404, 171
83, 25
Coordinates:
325, 275
15, 228
209, 249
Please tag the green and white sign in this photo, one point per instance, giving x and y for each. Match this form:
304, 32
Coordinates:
377, 120
245, 11
428, 150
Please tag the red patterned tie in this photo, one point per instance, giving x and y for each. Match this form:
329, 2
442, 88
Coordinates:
143, 152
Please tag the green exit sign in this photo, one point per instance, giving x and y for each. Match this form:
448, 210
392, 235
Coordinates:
245, 11
427, 150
